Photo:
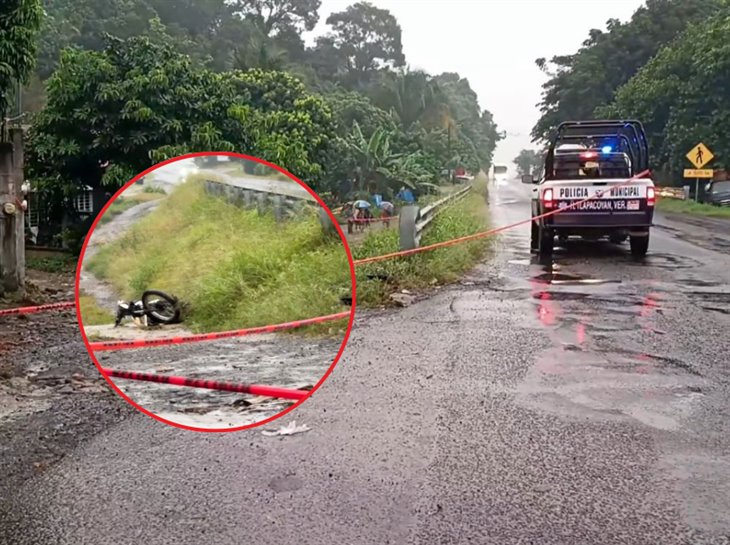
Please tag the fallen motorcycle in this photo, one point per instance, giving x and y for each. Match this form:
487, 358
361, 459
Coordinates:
154, 308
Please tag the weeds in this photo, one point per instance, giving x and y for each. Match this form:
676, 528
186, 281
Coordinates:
56, 264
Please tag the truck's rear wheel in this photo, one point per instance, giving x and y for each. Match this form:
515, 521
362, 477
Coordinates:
546, 243
639, 245
534, 236
617, 239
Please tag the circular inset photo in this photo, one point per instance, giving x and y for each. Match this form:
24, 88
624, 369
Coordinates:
215, 292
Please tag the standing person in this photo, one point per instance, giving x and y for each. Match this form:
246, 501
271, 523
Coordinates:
387, 212
361, 210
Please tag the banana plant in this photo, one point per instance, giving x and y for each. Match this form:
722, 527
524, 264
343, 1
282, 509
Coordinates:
380, 166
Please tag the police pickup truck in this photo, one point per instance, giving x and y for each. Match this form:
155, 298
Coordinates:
587, 166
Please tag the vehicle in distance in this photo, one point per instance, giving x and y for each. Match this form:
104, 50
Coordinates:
590, 182
499, 174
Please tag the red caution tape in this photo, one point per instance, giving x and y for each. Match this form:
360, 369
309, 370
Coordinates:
139, 343
39, 308
491, 232
254, 389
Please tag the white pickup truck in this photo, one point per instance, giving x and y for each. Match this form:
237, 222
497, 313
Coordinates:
596, 181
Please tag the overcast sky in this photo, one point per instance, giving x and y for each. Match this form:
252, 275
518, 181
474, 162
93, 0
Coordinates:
494, 44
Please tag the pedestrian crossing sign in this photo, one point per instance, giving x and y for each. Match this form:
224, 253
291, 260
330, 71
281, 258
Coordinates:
699, 155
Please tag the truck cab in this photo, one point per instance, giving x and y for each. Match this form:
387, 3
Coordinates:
594, 185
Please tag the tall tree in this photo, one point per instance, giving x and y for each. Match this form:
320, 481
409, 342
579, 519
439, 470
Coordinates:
365, 38
20, 22
274, 16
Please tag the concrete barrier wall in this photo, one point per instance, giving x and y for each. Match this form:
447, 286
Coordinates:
285, 199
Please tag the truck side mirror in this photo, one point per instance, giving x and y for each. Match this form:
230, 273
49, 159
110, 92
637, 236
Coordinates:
528, 179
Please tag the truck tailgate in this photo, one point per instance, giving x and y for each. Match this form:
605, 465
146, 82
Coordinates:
625, 205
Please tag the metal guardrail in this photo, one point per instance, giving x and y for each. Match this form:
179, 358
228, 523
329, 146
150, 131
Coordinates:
679, 193
413, 220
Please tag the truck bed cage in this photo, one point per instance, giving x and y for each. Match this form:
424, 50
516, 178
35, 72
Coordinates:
629, 134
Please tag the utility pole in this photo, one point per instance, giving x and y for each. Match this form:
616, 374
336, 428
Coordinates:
12, 214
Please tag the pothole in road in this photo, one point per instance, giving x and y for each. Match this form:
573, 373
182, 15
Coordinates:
697, 282
560, 278
642, 362
664, 261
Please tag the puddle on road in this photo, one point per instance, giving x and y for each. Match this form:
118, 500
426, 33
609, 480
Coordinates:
559, 278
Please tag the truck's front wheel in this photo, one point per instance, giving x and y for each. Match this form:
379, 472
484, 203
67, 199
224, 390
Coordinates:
639, 245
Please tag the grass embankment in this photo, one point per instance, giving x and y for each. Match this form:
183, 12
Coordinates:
423, 270
92, 313
676, 206
124, 203
232, 267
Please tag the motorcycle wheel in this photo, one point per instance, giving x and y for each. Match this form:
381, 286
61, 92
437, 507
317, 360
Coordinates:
164, 308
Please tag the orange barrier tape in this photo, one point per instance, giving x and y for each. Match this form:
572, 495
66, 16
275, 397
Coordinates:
491, 232
372, 220
140, 343
39, 308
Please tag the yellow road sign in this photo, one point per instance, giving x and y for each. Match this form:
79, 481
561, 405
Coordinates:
698, 173
699, 155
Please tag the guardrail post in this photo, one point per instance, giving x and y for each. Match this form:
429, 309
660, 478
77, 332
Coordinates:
261, 203
278, 202
326, 221
407, 218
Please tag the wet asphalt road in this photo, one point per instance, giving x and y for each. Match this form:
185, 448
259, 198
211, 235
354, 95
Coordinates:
506, 410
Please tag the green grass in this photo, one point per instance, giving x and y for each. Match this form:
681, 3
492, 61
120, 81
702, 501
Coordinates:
92, 313
55, 264
694, 208
422, 270
232, 267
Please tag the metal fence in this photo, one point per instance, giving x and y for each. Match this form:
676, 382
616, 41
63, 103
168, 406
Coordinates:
413, 219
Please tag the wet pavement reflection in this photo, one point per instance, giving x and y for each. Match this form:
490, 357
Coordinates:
609, 357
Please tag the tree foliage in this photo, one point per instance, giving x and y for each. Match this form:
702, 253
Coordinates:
137, 103
582, 82
20, 21
133, 82
681, 95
